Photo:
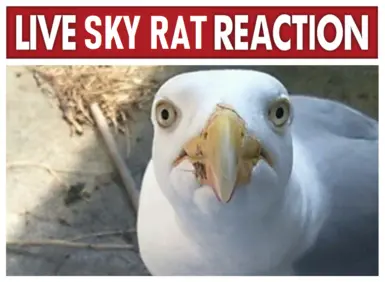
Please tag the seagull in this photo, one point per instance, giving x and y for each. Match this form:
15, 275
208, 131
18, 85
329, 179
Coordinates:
246, 180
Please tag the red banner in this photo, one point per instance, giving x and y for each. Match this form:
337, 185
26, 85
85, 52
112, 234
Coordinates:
192, 32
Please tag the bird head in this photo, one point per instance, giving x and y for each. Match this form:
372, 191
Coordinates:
222, 138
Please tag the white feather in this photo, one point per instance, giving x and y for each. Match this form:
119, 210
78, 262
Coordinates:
184, 230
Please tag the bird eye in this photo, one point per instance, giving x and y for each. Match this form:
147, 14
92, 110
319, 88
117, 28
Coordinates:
279, 112
165, 114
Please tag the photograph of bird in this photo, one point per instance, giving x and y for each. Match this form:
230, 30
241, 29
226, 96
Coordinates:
246, 179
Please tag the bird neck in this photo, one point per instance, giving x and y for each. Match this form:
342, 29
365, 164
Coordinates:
305, 197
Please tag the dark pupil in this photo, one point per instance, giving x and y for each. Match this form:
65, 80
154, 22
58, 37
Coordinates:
279, 113
165, 114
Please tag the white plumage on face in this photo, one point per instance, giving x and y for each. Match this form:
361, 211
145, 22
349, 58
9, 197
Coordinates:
223, 194
239, 119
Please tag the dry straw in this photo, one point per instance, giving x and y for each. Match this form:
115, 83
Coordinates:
120, 91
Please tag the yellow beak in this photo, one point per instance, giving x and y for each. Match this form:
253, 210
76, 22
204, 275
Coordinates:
223, 154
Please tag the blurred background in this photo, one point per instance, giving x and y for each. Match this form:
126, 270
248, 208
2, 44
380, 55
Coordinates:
61, 182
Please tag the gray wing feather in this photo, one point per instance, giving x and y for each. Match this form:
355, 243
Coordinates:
348, 166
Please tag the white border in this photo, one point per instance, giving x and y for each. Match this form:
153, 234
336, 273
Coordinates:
196, 62
381, 117
3, 181
381, 30
194, 3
